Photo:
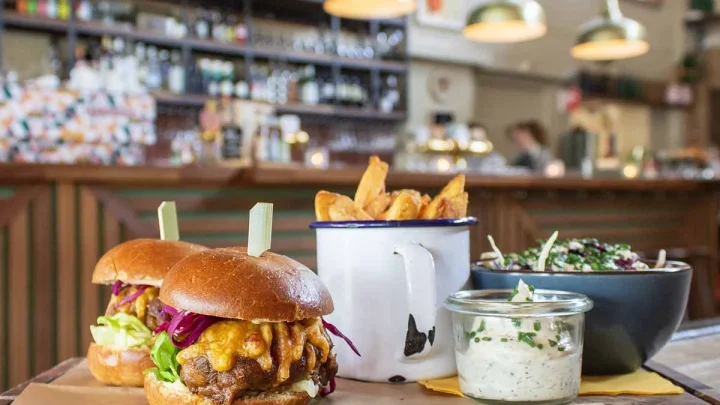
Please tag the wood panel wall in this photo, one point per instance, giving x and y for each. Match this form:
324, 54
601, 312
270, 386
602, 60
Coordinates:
51, 236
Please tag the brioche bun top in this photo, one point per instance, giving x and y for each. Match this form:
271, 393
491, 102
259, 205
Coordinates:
141, 261
228, 283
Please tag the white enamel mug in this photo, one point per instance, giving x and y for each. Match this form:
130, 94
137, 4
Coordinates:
388, 280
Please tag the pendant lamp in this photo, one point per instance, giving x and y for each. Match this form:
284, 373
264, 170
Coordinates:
610, 36
369, 9
501, 21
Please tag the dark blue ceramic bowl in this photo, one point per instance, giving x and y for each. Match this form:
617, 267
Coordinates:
634, 315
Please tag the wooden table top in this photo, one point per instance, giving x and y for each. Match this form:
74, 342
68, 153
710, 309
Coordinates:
697, 392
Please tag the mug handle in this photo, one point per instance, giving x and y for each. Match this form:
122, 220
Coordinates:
422, 296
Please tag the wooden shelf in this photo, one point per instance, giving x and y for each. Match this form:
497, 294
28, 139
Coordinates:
709, 18
608, 99
93, 28
195, 100
16, 20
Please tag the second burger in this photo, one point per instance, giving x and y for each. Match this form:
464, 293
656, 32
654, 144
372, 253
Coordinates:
244, 330
123, 337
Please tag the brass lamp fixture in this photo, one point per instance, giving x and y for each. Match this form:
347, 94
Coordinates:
504, 21
611, 36
369, 9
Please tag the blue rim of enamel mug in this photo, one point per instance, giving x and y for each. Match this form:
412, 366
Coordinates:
413, 223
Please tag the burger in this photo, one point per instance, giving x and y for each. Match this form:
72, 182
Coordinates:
123, 337
245, 330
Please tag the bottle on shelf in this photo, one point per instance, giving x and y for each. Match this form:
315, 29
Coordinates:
242, 89
327, 91
32, 7
84, 10
355, 92
51, 9
176, 76
205, 66
230, 34
227, 83
154, 71
64, 9
342, 91
309, 91
218, 27
42, 8
21, 6
241, 33
213, 89
390, 98
202, 25
195, 79
293, 86
142, 64
164, 57
258, 87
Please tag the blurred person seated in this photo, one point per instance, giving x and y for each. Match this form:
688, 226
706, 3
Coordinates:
531, 138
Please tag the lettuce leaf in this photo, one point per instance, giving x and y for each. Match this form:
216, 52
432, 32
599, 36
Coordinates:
121, 331
164, 355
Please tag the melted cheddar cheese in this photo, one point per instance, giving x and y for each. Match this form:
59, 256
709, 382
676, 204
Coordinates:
225, 341
138, 307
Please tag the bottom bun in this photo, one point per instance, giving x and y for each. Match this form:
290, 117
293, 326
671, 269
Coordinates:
162, 393
118, 367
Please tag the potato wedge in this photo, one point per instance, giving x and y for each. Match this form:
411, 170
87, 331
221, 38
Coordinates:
455, 207
416, 194
372, 184
323, 201
424, 201
435, 208
345, 209
455, 187
377, 206
405, 206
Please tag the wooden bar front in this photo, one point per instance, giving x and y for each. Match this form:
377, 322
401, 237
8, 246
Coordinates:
56, 221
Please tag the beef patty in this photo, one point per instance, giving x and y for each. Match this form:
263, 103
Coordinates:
247, 376
153, 314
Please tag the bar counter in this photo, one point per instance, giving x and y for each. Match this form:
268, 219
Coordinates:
56, 221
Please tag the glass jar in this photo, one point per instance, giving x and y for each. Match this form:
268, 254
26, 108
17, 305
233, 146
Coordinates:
519, 352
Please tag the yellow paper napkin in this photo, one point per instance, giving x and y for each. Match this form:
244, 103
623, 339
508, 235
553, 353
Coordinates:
640, 382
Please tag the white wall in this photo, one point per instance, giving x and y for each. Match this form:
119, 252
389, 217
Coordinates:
421, 104
498, 102
550, 55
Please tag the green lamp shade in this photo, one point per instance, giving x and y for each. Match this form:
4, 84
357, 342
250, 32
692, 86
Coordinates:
604, 40
369, 9
610, 36
506, 21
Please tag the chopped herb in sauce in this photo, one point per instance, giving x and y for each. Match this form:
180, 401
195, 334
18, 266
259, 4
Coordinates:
504, 340
552, 343
527, 338
486, 339
517, 322
481, 328
537, 326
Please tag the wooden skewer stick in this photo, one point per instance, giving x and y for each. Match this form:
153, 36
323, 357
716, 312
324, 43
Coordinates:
260, 229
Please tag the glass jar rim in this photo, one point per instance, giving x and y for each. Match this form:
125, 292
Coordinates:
495, 303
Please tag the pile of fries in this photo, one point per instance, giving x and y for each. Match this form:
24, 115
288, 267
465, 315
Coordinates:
373, 202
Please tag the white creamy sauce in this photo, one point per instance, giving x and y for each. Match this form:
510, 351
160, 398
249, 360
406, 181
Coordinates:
528, 359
